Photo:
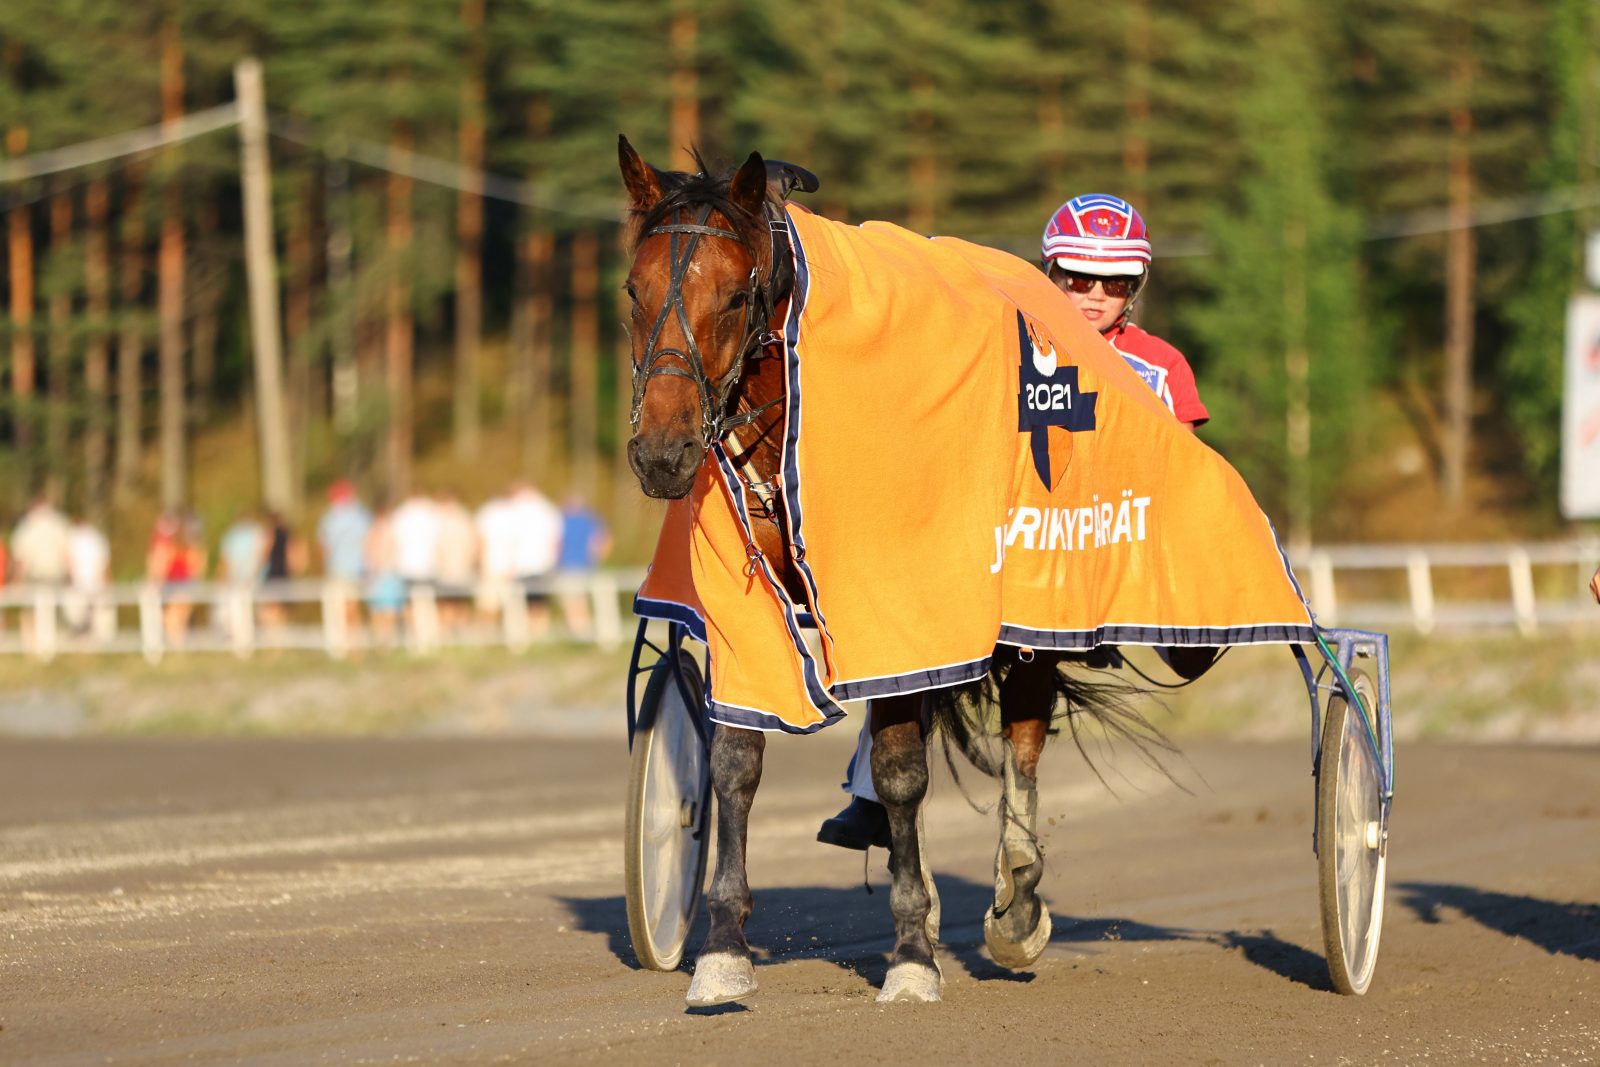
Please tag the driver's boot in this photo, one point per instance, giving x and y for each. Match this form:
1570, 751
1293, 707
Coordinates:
862, 824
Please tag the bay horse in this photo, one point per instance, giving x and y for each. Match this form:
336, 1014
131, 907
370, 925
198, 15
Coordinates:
709, 285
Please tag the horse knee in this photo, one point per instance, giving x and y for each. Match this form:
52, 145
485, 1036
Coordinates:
900, 765
736, 757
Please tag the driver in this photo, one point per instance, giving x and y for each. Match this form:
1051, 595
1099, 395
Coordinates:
1097, 251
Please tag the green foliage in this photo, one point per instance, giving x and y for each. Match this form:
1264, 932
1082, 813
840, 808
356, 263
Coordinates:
1245, 122
1285, 276
1532, 372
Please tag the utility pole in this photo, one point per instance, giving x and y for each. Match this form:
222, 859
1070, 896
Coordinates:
261, 268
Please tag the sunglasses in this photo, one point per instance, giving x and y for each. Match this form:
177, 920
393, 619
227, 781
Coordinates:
1115, 288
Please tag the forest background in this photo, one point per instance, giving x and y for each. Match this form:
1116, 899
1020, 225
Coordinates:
1368, 218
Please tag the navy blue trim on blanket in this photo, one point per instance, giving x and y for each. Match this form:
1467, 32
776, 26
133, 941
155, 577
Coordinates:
913, 681
1079, 640
671, 611
753, 719
792, 413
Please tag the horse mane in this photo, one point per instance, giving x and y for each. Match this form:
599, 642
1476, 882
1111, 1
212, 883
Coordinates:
683, 191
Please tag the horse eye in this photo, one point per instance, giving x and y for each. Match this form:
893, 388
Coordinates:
738, 300
633, 296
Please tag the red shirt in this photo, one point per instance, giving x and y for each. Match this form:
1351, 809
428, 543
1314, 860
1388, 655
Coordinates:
1163, 369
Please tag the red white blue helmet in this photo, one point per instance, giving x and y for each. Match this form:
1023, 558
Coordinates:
1097, 234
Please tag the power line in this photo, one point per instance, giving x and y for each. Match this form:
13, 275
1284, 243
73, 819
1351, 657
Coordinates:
133, 143
449, 175
442, 172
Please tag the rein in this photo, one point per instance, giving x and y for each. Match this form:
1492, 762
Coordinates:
760, 305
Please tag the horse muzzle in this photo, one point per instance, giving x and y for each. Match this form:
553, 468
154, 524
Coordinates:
666, 465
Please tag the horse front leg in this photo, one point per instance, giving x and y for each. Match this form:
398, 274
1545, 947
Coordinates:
1017, 927
900, 775
723, 972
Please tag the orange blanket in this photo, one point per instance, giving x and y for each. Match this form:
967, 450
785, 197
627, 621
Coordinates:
968, 463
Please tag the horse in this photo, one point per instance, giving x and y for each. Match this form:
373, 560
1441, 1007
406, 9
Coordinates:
709, 282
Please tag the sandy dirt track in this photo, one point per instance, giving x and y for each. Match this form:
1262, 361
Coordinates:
459, 901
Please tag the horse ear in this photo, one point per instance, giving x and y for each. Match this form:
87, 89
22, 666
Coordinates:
748, 190
644, 185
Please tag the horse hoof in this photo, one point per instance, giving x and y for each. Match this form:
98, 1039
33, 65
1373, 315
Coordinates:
1015, 955
721, 978
915, 983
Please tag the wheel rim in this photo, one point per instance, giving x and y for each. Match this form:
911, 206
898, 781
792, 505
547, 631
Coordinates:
1359, 848
671, 817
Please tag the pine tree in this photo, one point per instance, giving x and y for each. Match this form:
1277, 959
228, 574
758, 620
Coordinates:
1285, 377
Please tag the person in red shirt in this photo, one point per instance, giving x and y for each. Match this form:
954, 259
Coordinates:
1097, 251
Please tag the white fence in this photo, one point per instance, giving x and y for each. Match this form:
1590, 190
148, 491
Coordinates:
324, 616
1502, 580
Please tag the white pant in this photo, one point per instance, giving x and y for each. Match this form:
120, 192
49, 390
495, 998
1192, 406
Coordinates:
858, 776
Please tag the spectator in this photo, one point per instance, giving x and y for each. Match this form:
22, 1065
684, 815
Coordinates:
585, 543
342, 539
416, 540
386, 590
243, 552
498, 552
285, 559
88, 575
533, 530
39, 544
176, 559
456, 560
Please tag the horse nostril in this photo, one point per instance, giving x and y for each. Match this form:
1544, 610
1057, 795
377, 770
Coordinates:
688, 457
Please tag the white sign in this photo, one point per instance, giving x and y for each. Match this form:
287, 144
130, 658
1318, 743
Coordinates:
1580, 411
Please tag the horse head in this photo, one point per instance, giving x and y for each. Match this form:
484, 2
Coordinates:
704, 286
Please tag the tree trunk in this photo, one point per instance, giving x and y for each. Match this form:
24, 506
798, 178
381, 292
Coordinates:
535, 310
398, 327
207, 298
469, 242
1136, 130
538, 251
58, 378
23, 352
585, 367
96, 353
169, 274
1460, 264
684, 125
299, 356
130, 342
346, 383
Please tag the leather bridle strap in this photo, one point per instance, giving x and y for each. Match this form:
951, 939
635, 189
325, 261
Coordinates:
715, 421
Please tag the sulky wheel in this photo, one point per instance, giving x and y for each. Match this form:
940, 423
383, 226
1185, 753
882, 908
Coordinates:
668, 828
1352, 849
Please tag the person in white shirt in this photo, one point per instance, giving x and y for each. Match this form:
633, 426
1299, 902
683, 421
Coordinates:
88, 575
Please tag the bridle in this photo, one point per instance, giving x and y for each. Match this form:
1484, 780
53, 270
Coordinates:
761, 302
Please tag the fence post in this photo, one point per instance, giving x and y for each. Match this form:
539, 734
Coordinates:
335, 619
1420, 578
241, 620
607, 619
1324, 600
514, 615
44, 624
150, 633
423, 634
1523, 603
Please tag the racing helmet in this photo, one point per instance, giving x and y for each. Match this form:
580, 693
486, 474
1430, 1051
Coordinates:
1097, 234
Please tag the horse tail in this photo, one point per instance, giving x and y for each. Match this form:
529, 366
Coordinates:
1097, 708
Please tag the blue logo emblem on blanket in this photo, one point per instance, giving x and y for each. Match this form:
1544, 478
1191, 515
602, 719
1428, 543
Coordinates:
1048, 396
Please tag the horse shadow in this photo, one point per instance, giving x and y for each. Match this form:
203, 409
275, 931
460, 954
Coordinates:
1561, 929
851, 928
